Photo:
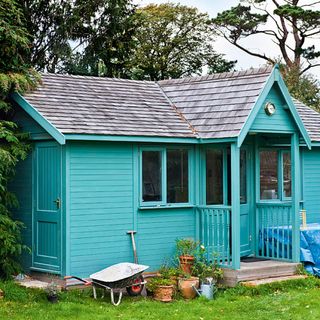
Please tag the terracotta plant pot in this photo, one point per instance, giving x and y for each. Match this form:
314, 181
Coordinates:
186, 287
163, 293
186, 263
52, 298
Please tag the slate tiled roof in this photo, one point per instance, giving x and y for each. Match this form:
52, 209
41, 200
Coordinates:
310, 119
213, 106
217, 105
92, 105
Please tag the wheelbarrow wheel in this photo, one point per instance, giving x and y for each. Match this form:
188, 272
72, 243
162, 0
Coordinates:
136, 288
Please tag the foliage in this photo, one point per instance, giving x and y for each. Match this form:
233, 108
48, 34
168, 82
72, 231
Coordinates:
203, 268
154, 283
186, 247
76, 36
52, 289
15, 74
305, 88
168, 272
293, 22
105, 31
174, 41
50, 24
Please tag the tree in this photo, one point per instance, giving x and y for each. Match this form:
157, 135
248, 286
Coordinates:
293, 23
105, 30
15, 74
303, 87
50, 24
173, 41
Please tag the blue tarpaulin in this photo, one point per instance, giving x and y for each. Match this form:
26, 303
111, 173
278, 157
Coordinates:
310, 248
277, 242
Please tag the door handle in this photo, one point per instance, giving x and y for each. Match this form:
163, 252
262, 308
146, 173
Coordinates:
58, 203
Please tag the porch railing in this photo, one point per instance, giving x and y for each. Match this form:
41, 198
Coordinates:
215, 233
274, 230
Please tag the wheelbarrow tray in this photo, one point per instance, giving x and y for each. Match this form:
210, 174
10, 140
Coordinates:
120, 275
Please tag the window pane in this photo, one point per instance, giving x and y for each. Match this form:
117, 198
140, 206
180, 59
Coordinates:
286, 174
177, 176
151, 176
268, 175
243, 176
214, 176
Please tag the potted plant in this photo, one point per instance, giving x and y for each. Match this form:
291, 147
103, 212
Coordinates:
186, 249
52, 292
161, 288
208, 272
187, 285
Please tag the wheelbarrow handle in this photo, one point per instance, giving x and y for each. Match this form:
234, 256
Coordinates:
86, 282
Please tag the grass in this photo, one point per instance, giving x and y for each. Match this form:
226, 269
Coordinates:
296, 299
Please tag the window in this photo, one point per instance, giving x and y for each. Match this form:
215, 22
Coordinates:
151, 176
275, 174
165, 176
243, 176
214, 176
268, 175
177, 176
286, 160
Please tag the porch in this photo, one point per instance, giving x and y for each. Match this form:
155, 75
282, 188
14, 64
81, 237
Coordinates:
260, 211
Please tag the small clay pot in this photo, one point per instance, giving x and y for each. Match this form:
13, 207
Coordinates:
186, 287
52, 298
164, 293
186, 263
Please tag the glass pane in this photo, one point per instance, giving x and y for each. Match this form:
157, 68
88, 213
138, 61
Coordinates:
214, 176
177, 176
243, 176
268, 175
286, 174
151, 176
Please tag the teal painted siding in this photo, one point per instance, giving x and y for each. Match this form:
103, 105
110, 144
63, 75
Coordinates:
22, 187
311, 183
280, 121
157, 231
27, 124
101, 205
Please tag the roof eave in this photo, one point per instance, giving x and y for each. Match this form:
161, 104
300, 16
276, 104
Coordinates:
35, 115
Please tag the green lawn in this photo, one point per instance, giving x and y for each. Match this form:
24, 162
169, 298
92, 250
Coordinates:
298, 299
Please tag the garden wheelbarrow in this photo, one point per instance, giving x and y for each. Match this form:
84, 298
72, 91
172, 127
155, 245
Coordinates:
117, 277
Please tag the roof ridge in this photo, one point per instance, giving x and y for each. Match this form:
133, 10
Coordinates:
75, 76
220, 76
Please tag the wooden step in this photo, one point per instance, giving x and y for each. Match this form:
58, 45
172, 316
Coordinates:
259, 270
255, 283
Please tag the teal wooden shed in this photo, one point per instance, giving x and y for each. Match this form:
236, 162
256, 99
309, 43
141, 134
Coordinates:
219, 158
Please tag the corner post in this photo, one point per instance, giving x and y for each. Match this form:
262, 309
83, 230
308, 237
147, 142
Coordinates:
235, 205
295, 190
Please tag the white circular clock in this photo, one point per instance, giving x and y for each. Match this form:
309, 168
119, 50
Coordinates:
270, 108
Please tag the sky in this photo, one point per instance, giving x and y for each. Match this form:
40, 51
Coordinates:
257, 43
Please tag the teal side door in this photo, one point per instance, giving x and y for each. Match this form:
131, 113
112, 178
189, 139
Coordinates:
245, 198
47, 207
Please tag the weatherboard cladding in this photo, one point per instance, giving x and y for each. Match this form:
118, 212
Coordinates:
212, 106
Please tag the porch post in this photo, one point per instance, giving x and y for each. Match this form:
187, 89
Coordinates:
295, 188
235, 205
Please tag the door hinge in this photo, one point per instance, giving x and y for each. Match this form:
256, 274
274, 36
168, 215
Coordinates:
250, 238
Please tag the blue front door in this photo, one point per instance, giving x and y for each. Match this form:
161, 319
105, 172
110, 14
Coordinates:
245, 198
47, 207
